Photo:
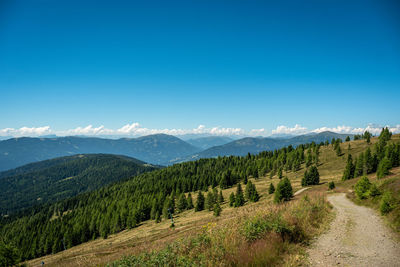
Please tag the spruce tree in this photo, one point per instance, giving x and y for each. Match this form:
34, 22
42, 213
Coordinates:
182, 203
338, 151
157, 217
190, 202
359, 166
349, 170
311, 176
232, 199
239, 198
210, 200
284, 191
200, 202
383, 168
220, 197
368, 161
280, 175
217, 209
271, 189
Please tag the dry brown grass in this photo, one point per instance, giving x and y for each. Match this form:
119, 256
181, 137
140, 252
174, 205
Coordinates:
151, 236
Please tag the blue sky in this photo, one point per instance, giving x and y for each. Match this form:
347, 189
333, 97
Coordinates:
180, 64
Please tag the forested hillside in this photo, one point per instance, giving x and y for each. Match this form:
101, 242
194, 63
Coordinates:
57, 179
155, 194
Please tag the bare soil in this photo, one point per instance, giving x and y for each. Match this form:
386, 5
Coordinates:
357, 237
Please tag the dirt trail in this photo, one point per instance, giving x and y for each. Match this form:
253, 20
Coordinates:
357, 237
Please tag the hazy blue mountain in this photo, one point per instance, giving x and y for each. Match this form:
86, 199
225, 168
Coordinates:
257, 144
61, 178
209, 141
158, 149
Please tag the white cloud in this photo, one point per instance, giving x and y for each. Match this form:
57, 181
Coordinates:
135, 129
372, 128
25, 131
297, 129
257, 131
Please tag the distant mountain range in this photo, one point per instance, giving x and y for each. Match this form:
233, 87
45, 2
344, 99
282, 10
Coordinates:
257, 144
209, 141
157, 149
60, 178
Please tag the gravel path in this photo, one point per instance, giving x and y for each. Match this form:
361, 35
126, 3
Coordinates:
357, 237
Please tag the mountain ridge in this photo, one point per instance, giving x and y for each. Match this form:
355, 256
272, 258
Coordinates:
157, 149
56, 179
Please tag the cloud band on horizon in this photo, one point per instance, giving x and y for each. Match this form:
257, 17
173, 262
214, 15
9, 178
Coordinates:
135, 129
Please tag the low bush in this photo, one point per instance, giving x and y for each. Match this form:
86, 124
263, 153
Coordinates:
362, 187
331, 185
387, 203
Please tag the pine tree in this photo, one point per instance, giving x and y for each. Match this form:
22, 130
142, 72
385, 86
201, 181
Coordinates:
308, 158
239, 198
210, 200
271, 189
251, 192
368, 161
383, 168
217, 209
190, 202
220, 197
200, 202
359, 166
280, 175
349, 170
284, 191
157, 217
232, 199
347, 138
338, 150
182, 203
311, 176
153, 210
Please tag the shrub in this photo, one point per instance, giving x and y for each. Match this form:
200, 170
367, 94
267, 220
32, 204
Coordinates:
284, 191
374, 191
362, 187
387, 203
256, 227
331, 185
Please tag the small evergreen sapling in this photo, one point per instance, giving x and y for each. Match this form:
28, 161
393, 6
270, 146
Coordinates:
271, 189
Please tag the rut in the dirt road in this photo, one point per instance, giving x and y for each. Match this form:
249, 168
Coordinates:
357, 237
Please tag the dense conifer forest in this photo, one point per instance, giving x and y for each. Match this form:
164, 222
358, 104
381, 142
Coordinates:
60, 178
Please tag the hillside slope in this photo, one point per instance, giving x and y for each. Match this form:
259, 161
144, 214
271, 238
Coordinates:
209, 141
124, 205
61, 178
255, 145
157, 149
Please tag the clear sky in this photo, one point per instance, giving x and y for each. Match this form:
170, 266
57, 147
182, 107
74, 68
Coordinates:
181, 64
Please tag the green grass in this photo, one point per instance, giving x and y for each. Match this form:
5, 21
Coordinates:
261, 238
389, 188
